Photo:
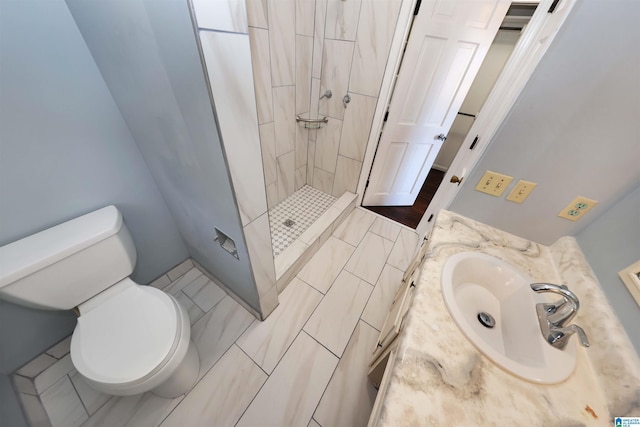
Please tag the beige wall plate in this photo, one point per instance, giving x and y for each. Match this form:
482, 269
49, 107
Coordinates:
631, 278
493, 183
577, 208
521, 191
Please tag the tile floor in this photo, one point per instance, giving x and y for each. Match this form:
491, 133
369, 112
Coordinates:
303, 207
305, 365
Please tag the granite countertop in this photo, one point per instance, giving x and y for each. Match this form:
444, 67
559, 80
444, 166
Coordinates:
439, 377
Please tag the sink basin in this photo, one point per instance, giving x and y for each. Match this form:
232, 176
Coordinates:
478, 288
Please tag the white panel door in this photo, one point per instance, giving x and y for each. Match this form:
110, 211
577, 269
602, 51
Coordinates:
448, 42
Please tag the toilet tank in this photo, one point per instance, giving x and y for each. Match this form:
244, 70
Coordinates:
64, 266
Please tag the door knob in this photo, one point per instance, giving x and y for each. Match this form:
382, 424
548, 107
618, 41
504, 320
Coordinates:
441, 137
454, 179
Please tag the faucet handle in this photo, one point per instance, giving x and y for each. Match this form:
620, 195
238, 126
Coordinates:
561, 312
560, 336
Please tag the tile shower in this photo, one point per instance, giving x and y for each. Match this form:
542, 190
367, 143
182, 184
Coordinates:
300, 49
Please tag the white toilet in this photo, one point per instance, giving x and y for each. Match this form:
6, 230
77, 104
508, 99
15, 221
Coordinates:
129, 338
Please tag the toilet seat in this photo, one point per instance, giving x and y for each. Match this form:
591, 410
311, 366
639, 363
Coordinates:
127, 340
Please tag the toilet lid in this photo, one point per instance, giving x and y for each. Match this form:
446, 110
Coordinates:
126, 337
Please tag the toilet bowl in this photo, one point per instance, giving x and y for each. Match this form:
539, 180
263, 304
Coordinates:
129, 338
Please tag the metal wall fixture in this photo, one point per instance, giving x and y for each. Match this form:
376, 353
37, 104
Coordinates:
312, 123
346, 99
328, 94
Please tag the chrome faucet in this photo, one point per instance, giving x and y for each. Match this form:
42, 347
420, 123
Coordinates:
553, 317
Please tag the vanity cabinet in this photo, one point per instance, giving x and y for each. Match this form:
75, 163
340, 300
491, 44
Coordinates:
388, 338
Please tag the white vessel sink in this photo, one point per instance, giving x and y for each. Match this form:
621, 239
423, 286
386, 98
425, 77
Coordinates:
474, 283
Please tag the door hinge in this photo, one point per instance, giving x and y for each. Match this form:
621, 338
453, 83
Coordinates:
473, 144
386, 116
430, 218
553, 6
367, 184
415, 11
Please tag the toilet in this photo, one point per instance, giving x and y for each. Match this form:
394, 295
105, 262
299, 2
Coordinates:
129, 338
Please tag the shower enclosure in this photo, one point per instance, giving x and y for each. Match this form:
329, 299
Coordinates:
301, 49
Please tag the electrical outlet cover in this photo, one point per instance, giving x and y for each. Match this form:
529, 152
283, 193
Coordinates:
577, 208
521, 191
493, 183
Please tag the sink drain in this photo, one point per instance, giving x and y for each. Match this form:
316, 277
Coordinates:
486, 320
289, 223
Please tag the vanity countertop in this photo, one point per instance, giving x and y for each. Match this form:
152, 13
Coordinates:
439, 378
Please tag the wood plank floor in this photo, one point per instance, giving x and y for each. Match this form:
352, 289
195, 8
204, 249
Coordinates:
411, 215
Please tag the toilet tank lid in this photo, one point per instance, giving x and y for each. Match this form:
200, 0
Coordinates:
26, 256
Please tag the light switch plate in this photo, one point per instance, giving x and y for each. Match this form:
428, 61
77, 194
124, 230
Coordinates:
577, 208
521, 191
493, 183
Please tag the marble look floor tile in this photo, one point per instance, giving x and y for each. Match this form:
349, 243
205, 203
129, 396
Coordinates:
345, 201
293, 391
404, 249
194, 312
53, 373
385, 228
61, 349
313, 423
349, 397
218, 330
34, 411
36, 366
140, 410
204, 293
265, 342
321, 228
326, 264
180, 269
382, 296
161, 282
63, 405
289, 256
91, 398
369, 258
179, 284
24, 385
333, 321
222, 395
353, 229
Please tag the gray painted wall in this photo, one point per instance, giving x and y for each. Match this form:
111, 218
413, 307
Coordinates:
147, 53
612, 243
10, 411
65, 150
574, 129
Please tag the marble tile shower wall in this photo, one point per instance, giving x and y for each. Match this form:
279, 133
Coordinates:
300, 49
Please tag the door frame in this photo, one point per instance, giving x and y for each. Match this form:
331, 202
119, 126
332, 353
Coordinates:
531, 47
